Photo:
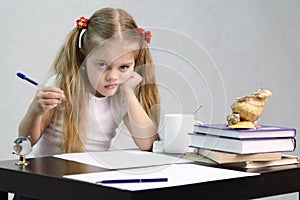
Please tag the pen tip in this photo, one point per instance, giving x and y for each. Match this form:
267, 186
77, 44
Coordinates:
21, 75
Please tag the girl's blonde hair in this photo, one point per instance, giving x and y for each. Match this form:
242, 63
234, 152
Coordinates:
103, 24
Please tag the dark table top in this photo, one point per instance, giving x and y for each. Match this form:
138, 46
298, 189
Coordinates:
42, 179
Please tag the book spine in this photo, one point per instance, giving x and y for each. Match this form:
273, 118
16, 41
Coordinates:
295, 144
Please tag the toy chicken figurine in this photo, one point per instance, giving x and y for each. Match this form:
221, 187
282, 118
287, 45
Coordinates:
246, 110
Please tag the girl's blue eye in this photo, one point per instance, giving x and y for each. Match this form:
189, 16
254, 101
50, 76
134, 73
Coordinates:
102, 65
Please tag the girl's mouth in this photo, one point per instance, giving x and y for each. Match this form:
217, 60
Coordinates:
111, 86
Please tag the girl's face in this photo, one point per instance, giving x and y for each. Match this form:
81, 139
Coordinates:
107, 68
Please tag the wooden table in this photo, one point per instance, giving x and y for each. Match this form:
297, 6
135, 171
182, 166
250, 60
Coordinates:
43, 179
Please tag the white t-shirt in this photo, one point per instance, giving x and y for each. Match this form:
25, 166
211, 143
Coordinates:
105, 115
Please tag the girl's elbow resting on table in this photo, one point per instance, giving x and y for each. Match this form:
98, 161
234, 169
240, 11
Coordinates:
145, 144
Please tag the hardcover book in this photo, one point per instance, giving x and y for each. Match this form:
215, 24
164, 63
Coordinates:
224, 157
199, 158
263, 132
242, 146
285, 160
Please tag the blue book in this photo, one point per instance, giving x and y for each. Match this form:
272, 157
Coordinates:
242, 146
264, 131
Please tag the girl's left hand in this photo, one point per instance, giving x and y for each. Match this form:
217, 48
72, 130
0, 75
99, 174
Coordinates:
131, 81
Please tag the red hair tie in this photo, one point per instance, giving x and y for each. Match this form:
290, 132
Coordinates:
147, 35
82, 23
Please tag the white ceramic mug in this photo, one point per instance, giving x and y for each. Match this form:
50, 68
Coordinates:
176, 129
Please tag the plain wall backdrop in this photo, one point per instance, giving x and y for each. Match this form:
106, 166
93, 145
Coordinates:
205, 52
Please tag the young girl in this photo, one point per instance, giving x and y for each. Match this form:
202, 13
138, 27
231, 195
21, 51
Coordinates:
103, 74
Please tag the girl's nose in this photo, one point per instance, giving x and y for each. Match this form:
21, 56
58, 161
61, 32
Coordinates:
112, 75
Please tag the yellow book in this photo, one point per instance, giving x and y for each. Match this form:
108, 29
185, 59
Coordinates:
199, 158
285, 160
224, 157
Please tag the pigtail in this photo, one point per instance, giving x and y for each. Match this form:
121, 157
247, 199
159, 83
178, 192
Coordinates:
69, 79
147, 92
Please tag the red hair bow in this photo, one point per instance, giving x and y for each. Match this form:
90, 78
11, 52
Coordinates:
147, 35
82, 23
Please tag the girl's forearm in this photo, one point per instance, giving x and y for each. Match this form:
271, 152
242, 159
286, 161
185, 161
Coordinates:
31, 126
38, 114
142, 128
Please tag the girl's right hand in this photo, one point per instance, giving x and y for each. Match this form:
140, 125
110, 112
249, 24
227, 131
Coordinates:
46, 99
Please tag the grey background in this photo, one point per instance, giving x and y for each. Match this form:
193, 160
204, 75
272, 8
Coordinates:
204, 51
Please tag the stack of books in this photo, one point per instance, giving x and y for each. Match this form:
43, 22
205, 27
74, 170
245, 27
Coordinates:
247, 148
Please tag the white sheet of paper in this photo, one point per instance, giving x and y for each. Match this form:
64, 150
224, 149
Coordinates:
122, 159
177, 174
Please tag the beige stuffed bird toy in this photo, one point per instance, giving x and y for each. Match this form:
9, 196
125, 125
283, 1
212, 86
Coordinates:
246, 110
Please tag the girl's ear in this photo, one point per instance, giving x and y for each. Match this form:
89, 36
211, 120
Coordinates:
83, 66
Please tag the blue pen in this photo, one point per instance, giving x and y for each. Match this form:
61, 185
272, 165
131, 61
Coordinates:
143, 180
23, 76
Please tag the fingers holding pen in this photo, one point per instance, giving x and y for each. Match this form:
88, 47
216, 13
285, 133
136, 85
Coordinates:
47, 98
51, 95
